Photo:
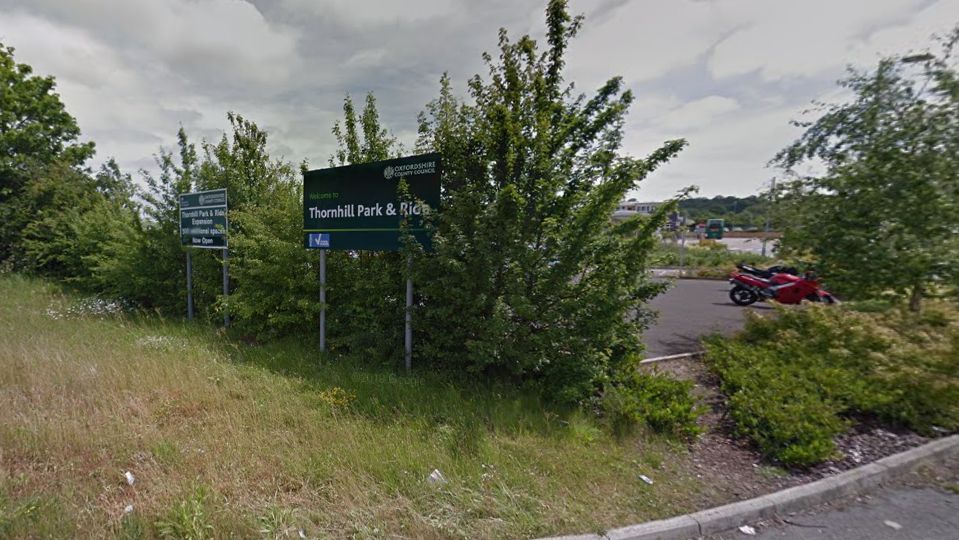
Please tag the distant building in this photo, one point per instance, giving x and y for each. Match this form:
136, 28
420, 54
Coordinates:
632, 207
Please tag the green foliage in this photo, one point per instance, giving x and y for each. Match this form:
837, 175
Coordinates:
54, 201
34, 517
277, 288
882, 219
372, 143
131, 527
774, 404
706, 259
38, 139
145, 263
166, 453
277, 281
34, 125
746, 212
268, 266
540, 284
68, 216
365, 286
658, 401
188, 519
796, 381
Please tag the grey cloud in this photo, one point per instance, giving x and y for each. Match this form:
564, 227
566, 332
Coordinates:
128, 135
133, 72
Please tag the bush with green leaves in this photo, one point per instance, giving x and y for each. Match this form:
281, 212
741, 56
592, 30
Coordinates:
529, 278
660, 402
796, 381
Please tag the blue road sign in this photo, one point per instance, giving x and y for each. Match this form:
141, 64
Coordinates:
319, 240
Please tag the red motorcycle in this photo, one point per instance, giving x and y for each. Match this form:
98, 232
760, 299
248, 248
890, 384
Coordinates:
784, 288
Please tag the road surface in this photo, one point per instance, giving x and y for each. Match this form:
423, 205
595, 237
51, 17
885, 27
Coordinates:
899, 513
689, 310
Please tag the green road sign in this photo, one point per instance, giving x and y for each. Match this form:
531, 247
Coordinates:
203, 219
357, 207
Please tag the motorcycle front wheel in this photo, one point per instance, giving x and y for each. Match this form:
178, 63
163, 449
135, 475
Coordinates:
741, 296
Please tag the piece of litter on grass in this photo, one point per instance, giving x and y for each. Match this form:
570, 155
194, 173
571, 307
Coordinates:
128, 509
436, 477
130, 478
646, 479
302, 534
746, 529
892, 524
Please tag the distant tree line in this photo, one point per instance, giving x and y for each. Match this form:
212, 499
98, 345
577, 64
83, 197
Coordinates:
745, 212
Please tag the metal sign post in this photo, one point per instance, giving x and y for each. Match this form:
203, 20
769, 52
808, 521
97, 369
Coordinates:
226, 287
408, 333
682, 247
322, 300
189, 285
772, 199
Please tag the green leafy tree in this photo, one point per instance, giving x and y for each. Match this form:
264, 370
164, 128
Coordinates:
883, 217
363, 139
147, 264
273, 283
52, 203
364, 287
36, 131
117, 186
530, 279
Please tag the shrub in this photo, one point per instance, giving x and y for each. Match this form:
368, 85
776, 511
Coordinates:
774, 405
796, 381
530, 280
277, 286
658, 401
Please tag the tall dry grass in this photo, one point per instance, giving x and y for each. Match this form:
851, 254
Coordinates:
226, 439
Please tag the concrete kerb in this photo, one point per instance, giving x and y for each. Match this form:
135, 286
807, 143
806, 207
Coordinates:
677, 527
730, 516
684, 274
672, 357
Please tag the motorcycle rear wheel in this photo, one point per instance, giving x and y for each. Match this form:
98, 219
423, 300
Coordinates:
741, 296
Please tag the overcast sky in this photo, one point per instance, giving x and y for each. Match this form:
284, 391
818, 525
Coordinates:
728, 75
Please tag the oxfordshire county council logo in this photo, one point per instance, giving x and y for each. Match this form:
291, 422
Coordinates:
388, 172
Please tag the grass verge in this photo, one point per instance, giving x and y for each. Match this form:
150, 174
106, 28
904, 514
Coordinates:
227, 439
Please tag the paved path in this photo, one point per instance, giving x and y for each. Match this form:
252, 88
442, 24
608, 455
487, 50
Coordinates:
691, 309
920, 513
